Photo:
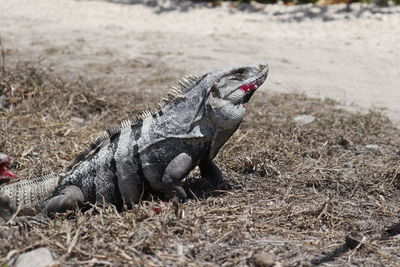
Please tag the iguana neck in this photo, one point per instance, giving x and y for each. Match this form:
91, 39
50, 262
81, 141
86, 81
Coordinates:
186, 117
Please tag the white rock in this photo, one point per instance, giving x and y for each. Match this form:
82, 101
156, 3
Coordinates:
262, 259
304, 119
373, 147
38, 257
77, 120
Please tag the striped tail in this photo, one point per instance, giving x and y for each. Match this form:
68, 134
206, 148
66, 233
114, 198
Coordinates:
29, 192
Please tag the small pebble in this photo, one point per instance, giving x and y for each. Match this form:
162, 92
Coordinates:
373, 147
304, 119
38, 257
77, 120
262, 259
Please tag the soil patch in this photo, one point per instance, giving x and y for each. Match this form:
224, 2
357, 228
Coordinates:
324, 192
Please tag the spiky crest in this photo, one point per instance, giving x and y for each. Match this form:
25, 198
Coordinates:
176, 92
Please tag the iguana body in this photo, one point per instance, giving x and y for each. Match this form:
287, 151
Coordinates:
156, 150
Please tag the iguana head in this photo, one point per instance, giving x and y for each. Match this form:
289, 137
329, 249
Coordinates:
230, 92
5, 174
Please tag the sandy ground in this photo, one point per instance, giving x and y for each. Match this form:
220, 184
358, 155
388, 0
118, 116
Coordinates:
351, 57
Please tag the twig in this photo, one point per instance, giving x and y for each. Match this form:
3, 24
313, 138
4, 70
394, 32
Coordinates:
356, 248
15, 214
3, 56
197, 199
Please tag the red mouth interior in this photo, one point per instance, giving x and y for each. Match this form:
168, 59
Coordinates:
4, 172
247, 88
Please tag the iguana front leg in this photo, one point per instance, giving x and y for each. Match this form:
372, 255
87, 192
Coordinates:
130, 184
69, 198
176, 170
211, 173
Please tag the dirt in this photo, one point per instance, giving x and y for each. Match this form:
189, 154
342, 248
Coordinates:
320, 193
323, 193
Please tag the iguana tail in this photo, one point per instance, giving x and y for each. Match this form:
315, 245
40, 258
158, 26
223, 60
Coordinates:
29, 192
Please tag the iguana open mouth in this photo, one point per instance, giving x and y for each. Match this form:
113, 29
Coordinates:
4, 172
247, 97
250, 88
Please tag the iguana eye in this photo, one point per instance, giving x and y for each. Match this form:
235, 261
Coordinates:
241, 71
239, 74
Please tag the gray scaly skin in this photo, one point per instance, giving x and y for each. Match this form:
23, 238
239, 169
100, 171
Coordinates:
6, 208
156, 150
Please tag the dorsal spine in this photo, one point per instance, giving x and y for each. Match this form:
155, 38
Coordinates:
176, 92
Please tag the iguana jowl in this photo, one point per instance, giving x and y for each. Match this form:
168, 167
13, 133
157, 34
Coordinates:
156, 150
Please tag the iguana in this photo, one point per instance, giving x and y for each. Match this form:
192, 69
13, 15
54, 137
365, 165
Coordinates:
154, 151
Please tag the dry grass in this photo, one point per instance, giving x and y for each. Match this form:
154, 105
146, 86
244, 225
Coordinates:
304, 194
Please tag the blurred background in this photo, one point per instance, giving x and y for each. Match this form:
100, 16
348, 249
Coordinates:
345, 50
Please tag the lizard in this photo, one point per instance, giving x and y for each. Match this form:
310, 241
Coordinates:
154, 151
